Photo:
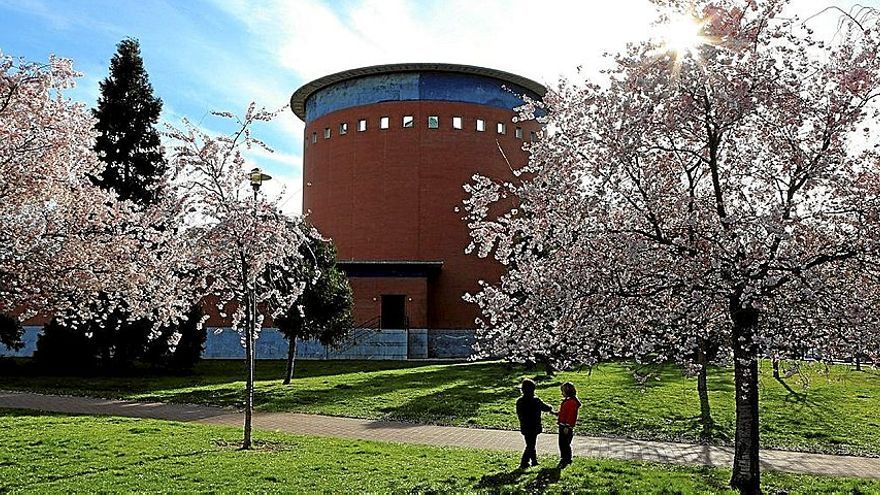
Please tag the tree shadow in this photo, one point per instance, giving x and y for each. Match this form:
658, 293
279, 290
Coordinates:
208, 372
500, 480
357, 382
434, 395
798, 396
719, 379
459, 402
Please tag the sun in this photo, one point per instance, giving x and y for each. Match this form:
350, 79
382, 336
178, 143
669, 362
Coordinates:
682, 35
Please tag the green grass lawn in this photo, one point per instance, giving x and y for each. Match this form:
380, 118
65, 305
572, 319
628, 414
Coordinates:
836, 412
85, 454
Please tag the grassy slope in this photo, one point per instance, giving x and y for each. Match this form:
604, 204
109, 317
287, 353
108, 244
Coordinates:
837, 412
70, 454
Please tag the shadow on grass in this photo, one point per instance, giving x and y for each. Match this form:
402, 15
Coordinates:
500, 480
719, 379
427, 394
454, 405
801, 400
505, 481
207, 373
833, 414
545, 478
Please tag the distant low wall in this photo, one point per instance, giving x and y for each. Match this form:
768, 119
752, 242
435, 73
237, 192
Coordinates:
387, 344
384, 344
445, 344
225, 343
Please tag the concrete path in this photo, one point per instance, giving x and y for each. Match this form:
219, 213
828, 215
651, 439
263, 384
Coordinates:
478, 438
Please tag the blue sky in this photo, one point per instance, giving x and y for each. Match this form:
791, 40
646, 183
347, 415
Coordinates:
205, 55
199, 56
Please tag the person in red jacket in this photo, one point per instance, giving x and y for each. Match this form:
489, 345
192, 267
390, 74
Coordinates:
568, 414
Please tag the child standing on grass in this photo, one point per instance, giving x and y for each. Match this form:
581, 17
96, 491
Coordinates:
528, 410
568, 413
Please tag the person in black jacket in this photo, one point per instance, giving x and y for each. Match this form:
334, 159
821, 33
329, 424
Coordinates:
528, 409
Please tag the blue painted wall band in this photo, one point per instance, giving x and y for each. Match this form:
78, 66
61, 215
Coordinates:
418, 86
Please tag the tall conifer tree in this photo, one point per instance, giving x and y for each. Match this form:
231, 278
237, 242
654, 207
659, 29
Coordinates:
126, 117
128, 144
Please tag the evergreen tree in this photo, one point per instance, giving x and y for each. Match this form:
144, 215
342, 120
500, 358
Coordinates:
160, 353
10, 332
323, 311
128, 142
115, 345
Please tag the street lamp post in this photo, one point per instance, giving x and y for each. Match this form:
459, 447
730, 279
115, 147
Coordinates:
257, 177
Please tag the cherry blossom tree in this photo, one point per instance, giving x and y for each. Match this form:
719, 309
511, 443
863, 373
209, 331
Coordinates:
722, 190
246, 248
66, 246
71, 248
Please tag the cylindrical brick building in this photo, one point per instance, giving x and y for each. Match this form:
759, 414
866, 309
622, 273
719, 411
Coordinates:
387, 151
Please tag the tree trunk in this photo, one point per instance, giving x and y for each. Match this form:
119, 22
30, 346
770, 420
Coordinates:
703, 390
746, 464
291, 355
249, 359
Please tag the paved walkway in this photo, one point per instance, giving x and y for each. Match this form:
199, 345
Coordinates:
389, 431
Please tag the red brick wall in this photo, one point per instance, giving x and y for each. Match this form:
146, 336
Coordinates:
368, 297
391, 194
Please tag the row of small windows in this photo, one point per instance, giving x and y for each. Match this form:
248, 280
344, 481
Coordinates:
433, 123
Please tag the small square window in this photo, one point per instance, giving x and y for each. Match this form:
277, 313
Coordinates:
533, 136
502, 129
326, 133
383, 123
407, 120
314, 137
481, 125
362, 125
519, 133
433, 122
343, 128
456, 122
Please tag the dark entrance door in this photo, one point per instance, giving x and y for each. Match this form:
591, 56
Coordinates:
393, 311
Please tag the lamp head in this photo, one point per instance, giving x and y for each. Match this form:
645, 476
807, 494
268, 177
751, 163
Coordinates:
257, 177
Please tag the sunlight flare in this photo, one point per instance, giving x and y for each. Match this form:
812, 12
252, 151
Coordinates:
682, 35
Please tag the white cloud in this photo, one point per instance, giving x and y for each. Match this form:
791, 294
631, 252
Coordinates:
297, 41
260, 154
311, 39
